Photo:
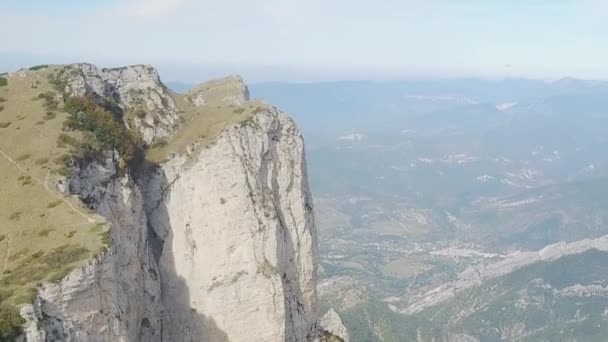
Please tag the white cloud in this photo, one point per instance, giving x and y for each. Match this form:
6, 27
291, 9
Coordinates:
151, 8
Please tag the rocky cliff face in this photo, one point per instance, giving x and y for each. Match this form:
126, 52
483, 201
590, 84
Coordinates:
216, 244
239, 255
116, 297
332, 325
136, 89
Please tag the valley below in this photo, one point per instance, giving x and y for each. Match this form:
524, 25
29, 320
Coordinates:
472, 213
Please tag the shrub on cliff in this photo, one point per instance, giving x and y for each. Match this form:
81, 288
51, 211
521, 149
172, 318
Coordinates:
50, 99
39, 67
10, 322
107, 132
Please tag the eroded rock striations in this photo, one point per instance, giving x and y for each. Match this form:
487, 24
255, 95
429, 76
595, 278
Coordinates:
215, 244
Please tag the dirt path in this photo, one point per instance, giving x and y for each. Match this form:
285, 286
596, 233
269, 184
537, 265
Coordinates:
47, 188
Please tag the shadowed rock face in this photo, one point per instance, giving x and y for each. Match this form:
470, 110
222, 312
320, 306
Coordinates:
217, 244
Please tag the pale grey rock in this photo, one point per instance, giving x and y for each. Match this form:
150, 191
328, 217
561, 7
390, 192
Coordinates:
136, 89
199, 100
116, 295
579, 290
30, 328
239, 259
332, 324
218, 244
229, 90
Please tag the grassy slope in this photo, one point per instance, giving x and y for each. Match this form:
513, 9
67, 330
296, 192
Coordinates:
37, 223
43, 233
202, 124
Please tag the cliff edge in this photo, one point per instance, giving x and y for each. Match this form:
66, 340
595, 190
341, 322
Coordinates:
202, 204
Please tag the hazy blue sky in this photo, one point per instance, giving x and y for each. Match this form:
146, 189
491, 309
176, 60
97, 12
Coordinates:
315, 39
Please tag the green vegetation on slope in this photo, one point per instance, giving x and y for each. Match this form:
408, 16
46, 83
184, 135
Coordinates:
39, 67
371, 320
105, 132
10, 322
43, 233
525, 303
201, 124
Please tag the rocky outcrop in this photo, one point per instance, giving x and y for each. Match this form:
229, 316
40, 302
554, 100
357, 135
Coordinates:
147, 104
116, 296
217, 244
230, 90
239, 257
332, 325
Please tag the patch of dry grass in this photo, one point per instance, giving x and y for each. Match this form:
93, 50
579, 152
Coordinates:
201, 124
43, 237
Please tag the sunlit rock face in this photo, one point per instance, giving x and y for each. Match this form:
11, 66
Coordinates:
217, 243
239, 260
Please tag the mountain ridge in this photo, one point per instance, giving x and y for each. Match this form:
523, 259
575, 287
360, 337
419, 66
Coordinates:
214, 212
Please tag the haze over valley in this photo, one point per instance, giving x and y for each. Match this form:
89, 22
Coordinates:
303, 171
420, 184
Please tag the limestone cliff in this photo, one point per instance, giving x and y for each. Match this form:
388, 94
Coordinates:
214, 242
136, 89
116, 296
239, 255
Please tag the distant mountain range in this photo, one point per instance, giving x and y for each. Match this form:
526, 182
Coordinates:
436, 201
